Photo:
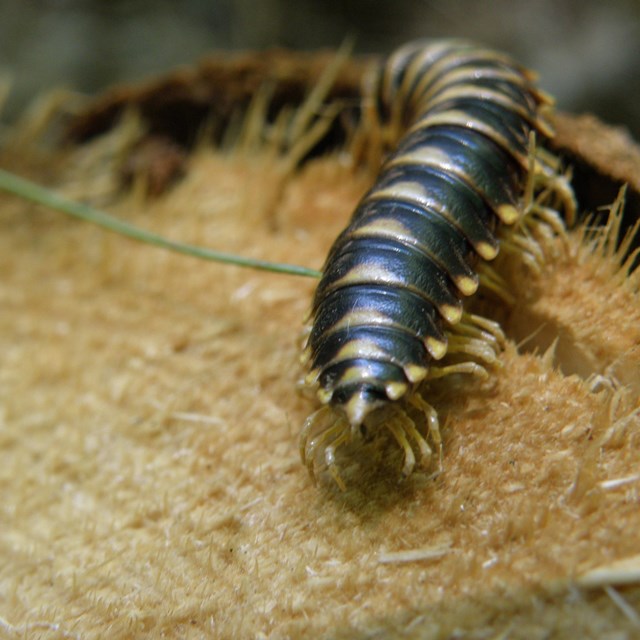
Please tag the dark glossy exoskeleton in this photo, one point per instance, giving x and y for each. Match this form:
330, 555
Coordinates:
394, 280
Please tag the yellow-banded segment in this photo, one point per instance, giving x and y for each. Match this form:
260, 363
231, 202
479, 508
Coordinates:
363, 317
437, 158
436, 348
364, 349
377, 274
409, 191
458, 91
427, 157
361, 273
356, 374
390, 228
468, 75
465, 56
459, 118
414, 193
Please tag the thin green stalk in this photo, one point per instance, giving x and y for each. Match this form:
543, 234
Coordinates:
35, 193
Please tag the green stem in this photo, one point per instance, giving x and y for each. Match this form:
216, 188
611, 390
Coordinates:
35, 193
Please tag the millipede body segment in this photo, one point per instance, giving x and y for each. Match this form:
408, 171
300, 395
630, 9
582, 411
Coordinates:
389, 305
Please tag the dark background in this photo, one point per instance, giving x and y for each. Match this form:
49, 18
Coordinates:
587, 51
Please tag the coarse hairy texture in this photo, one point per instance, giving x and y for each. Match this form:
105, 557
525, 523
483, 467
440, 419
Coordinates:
150, 482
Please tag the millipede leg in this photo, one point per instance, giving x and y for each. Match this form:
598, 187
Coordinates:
309, 425
340, 432
330, 457
548, 160
545, 182
560, 186
410, 429
322, 438
543, 217
551, 218
409, 457
468, 330
480, 349
472, 368
432, 421
491, 280
480, 327
525, 247
528, 193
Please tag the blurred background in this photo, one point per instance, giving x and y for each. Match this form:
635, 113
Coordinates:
587, 51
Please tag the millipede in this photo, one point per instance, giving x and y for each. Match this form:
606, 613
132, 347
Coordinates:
468, 125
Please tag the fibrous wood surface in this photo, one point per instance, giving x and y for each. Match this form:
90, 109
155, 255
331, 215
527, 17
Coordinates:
150, 483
